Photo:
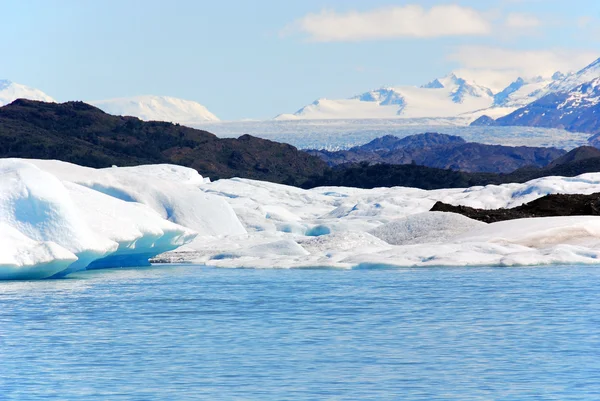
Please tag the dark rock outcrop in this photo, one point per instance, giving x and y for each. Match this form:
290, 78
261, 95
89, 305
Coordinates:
547, 206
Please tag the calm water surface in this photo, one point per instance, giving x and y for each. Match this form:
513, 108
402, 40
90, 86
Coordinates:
191, 332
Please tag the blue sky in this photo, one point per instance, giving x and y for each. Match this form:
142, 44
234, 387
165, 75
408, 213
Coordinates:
256, 59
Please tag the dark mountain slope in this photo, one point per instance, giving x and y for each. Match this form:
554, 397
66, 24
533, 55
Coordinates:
79, 133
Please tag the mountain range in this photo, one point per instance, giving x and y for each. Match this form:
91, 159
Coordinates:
450, 96
568, 101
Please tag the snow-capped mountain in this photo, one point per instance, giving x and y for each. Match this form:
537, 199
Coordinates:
522, 92
583, 76
157, 108
575, 110
444, 97
571, 102
10, 91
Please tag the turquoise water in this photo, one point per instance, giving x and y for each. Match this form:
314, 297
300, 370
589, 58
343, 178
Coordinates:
191, 332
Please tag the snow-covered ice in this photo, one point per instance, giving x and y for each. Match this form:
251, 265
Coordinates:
56, 218
356, 228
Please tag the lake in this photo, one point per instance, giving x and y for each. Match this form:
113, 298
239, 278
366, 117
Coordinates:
192, 332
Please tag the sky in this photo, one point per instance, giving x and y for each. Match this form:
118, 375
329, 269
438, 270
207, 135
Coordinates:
254, 59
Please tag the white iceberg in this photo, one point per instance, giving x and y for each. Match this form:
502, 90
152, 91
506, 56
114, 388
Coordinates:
51, 224
23, 258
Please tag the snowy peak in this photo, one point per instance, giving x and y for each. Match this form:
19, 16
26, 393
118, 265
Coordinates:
10, 91
435, 84
582, 76
463, 90
383, 96
557, 76
157, 108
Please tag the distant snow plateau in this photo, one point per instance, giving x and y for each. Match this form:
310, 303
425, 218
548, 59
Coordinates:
157, 108
10, 91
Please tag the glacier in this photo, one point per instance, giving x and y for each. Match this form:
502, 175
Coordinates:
345, 134
57, 218
392, 227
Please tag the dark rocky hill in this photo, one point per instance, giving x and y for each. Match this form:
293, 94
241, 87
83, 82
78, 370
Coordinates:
576, 155
79, 133
443, 151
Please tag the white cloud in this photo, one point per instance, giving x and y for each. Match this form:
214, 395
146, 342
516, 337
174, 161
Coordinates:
497, 67
585, 21
521, 21
393, 22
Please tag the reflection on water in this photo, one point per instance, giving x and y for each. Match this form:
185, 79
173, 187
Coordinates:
191, 332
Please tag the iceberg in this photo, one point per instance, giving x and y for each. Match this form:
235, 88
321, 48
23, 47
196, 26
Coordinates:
57, 218
23, 258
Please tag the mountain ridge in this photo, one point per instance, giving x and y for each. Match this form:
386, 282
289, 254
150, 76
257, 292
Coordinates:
80, 133
443, 151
